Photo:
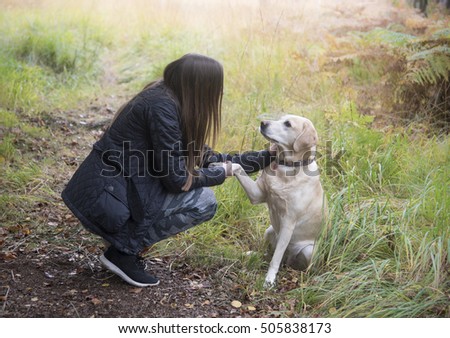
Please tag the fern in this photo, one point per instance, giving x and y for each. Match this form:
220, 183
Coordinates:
428, 60
441, 34
389, 37
429, 66
420, 72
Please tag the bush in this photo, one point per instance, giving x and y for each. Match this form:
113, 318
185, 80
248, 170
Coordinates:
420, 81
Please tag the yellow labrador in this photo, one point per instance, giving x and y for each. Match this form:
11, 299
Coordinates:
292, 190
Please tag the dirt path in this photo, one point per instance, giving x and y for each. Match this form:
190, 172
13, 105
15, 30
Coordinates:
62, 277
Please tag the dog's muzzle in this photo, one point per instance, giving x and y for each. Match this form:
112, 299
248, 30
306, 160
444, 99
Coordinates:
264, 125
263, 130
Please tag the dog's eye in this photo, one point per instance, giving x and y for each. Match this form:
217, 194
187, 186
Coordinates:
287, 124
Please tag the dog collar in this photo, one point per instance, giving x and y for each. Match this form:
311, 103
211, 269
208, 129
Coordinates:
296, 163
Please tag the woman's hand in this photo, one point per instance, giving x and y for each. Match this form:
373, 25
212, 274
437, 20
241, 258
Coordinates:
228, 166
231, 169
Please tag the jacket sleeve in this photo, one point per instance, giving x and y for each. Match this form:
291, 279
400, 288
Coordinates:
168, 160
251, 161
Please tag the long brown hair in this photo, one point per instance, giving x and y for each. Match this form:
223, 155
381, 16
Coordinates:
197, 83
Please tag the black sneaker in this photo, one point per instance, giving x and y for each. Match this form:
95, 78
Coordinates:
128, 267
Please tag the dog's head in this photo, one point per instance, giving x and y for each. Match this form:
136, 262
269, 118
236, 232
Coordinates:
291, 133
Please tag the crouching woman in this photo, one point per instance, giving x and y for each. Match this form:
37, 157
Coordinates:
147, 178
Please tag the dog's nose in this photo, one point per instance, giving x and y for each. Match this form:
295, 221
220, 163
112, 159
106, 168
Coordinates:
264, 124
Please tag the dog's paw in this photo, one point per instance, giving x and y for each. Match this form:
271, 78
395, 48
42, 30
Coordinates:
236, 169
231, 169
269, 283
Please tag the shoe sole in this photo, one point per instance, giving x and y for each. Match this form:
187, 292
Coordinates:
116, 270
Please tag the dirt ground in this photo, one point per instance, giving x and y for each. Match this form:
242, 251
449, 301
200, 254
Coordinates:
41, 275
54, 285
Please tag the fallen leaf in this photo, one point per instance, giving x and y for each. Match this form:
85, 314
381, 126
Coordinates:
206, 302
25, 231
8, 256
163, 300
251, 308
254, 293
189, 306
198, 285
332, 311
96, 301
71, 292
135, 290
237, 304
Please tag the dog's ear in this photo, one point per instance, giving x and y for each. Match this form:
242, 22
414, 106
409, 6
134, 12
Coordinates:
307, 138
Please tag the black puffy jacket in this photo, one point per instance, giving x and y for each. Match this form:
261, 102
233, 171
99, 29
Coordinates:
118, 190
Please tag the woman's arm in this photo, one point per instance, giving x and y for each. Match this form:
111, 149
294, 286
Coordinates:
251, 161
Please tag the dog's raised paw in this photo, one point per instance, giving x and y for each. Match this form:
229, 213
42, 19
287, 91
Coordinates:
236, 168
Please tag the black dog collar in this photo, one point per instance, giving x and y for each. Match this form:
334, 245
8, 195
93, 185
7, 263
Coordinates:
296, 163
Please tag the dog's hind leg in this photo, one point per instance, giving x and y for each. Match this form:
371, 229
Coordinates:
300, 255
270, 236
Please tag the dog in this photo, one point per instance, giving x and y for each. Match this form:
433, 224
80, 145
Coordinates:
292, 190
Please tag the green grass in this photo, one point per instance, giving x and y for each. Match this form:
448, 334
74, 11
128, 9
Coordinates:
46, 57
385, 249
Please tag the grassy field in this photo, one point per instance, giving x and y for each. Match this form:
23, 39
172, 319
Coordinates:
385, 251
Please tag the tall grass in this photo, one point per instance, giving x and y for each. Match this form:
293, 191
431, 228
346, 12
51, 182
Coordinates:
46, 56
386, 222
384, 251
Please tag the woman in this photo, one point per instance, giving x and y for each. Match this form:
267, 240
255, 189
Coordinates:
147, 177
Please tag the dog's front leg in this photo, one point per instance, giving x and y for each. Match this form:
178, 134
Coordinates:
284, 237
254, 191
